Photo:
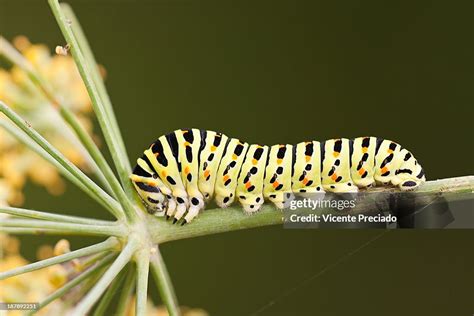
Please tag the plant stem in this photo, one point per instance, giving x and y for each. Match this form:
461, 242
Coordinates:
163, 281
111, 138
93, 189
46, 231
53, 217
109, 294
93, 295
90, 260
26, 140
77, 280
98, 158
96, 230
233, 218
126, 294
143, 267
107, 245
89, 57
8, 51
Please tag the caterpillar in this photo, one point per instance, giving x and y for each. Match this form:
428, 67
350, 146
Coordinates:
183, 170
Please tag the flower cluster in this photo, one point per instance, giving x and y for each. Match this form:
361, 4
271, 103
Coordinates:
26, 97
33, 286
36, 285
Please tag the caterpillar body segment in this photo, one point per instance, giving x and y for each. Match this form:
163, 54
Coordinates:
183, 170
210, 158
164, 161
189, 143
228, 171
336, 174
277, 181
363, 161
250, 182
307, 168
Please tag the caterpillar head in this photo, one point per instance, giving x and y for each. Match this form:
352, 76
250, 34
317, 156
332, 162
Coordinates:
151, 194
410, 174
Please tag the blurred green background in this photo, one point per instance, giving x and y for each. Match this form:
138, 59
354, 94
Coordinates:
287, 71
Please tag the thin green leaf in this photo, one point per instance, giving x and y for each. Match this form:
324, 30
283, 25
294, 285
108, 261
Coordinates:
163, 281
111, 138
143, 267
126, 293
109, 294
92, 188
52, 216
107, 245
94, 294
96, 230
90, 59
77, 280
10, 53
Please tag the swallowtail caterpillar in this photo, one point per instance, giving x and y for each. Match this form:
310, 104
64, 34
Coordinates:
184, 169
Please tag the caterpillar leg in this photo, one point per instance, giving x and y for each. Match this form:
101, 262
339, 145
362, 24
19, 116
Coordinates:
253, 206
197, 204
223, 200
409, 185
181, 208
171, 209
346, 187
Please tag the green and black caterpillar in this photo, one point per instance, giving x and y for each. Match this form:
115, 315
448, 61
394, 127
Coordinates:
183, 170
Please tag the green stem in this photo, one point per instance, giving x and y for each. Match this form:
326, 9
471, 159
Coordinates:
93, 189
126, 293
90, 260
112, 140
26, 140
8, 51
77, 280
93, 295
233, 218
52, 217
98, 158
89, 57
109, 294
143, 267
163, 281
96, 230
107, 245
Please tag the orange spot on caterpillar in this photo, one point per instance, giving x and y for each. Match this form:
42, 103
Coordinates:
213, 148
279, 161
186, 144
150, 183
226, 177
248, 185
206, 173
163, 174
254, 162
305, 180
234, 157
186, 170
336, 153
334, 176
308, 158
390, 151
383, 170
361, 171
364, 149
157, 154
275, 184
